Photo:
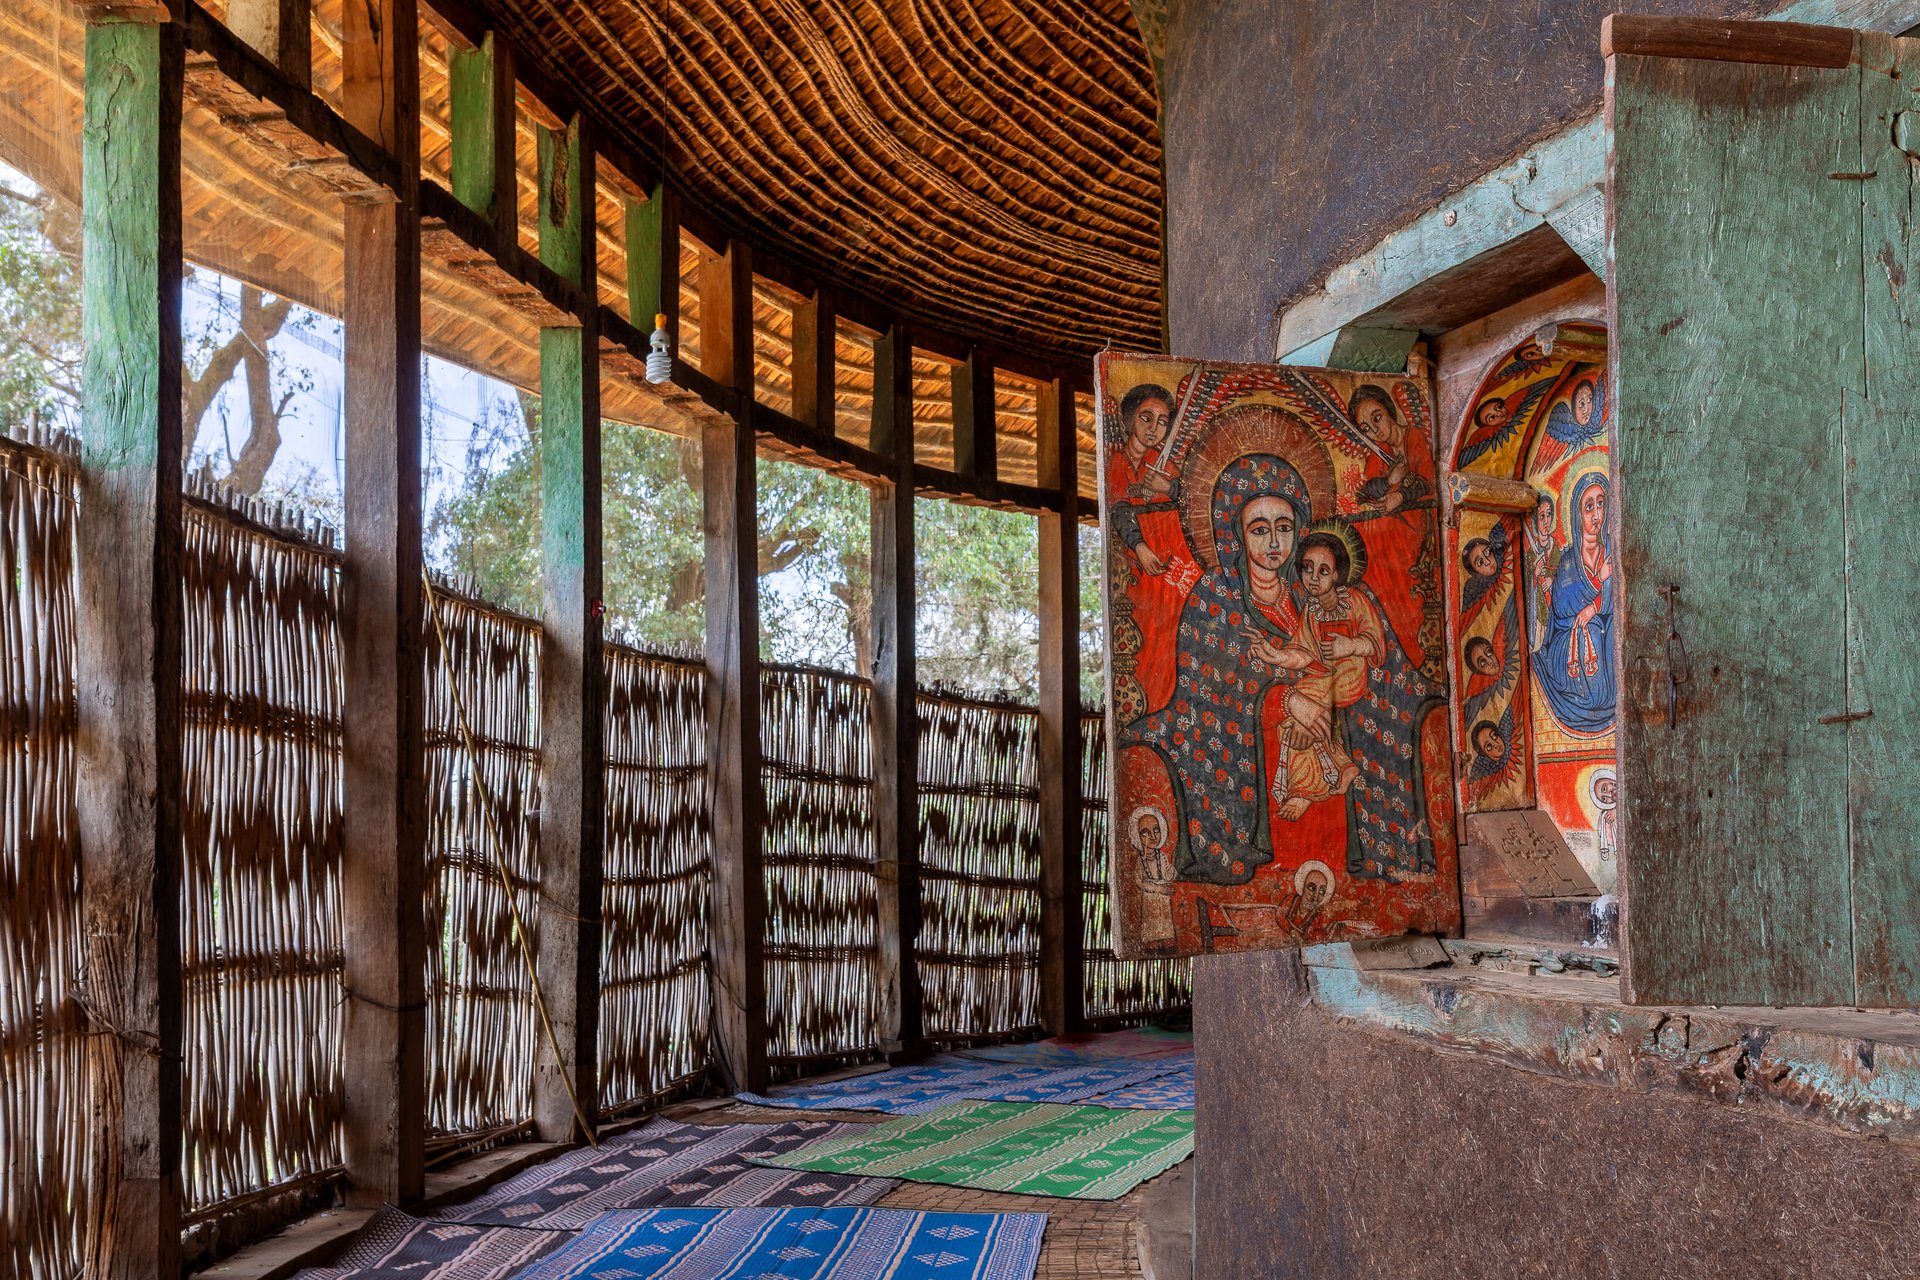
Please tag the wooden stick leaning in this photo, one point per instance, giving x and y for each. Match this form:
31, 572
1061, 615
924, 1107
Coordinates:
496, 844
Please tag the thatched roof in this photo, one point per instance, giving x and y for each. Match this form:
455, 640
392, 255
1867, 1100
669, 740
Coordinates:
991, 165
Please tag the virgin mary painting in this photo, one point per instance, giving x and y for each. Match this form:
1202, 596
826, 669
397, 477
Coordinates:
1574, 666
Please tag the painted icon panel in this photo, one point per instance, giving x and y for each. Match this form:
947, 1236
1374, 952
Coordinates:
1277, 674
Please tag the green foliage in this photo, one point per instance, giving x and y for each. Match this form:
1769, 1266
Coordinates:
978, 574
39, 307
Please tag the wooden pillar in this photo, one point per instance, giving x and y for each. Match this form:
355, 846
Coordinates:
280, 31
896, 720
383, 863
815, 362
482, 154
975, 438
572, 664
730, 508
653, 259
1062, 943
127, 654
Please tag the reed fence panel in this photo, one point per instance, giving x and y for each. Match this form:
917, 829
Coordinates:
481, 1024
1115, 988
655, 1001
822, 896
43, 1121
260, 819
979, 943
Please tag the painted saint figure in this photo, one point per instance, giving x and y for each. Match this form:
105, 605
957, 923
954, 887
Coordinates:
1575, 664
1543, 559
1146, 522
1605, 791
1340, 637
1394, 478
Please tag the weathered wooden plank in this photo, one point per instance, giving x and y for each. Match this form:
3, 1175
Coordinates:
127, 646
383, 890
572, 671
731, 518
895, 715
653, 260
975, 429
280, 31
1062, 928
484, 170
1882, 440
1787, 44
1736, 333
815, 361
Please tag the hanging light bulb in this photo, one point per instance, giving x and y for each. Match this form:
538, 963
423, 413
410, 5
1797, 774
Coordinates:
660, 353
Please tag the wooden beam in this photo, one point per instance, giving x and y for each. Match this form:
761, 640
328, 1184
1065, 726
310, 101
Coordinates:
653, 261
383, 863
127, 651
484, 167
896, 719
730, 513
281, 31
1062, 941
975, 431
572, 671
815, 361
1787, 44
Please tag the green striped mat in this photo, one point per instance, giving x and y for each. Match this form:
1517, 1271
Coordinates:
1044, 1149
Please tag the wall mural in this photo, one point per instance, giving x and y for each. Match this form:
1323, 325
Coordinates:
1540, 416
1277, 681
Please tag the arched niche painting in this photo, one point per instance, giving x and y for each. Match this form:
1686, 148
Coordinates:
1277, 676
1533, 591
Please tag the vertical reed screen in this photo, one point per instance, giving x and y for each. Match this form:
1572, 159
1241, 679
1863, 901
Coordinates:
654, 997
822, 899
1114, 987
979, 943
43, 1123
480, 1015
260, 820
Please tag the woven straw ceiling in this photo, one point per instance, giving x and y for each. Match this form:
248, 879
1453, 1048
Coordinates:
989, 166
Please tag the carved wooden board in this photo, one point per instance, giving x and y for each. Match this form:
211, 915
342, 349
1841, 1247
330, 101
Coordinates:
1277, 676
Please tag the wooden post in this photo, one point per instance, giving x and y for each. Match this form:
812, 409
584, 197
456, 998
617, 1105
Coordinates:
975, 439
1062, 944
815, 362
653, 259
572, 665
127, 653
383, 864
280, 31
482, 154
896, 718
730, 508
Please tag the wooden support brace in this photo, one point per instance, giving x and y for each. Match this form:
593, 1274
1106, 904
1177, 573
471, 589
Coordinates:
1361, 348
383, 871
127, 651
1062, 940
653, 260
730, 514
896, 720
815, 362
482, 157
975, 431
572, 670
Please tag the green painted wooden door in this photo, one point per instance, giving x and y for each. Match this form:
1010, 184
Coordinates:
1764, 369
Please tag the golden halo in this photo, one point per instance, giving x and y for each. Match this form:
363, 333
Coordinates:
1350, 539
1248, 428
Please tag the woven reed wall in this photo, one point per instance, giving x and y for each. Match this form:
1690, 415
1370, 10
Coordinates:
43, 1131
480, 1013
822, 899
655, 1004
260, 819
979, 944
1114, 987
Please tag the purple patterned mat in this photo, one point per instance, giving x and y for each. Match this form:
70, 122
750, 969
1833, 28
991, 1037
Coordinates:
399, 1246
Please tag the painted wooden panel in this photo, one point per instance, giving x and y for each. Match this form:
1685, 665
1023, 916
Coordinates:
1736, 337
1491, 723
1277, 676
1882, 444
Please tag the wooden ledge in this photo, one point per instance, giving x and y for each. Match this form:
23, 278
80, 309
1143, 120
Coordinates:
1848, 1070
1784, 44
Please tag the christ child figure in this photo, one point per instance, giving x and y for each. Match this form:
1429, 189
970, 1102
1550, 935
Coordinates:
1341, 636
